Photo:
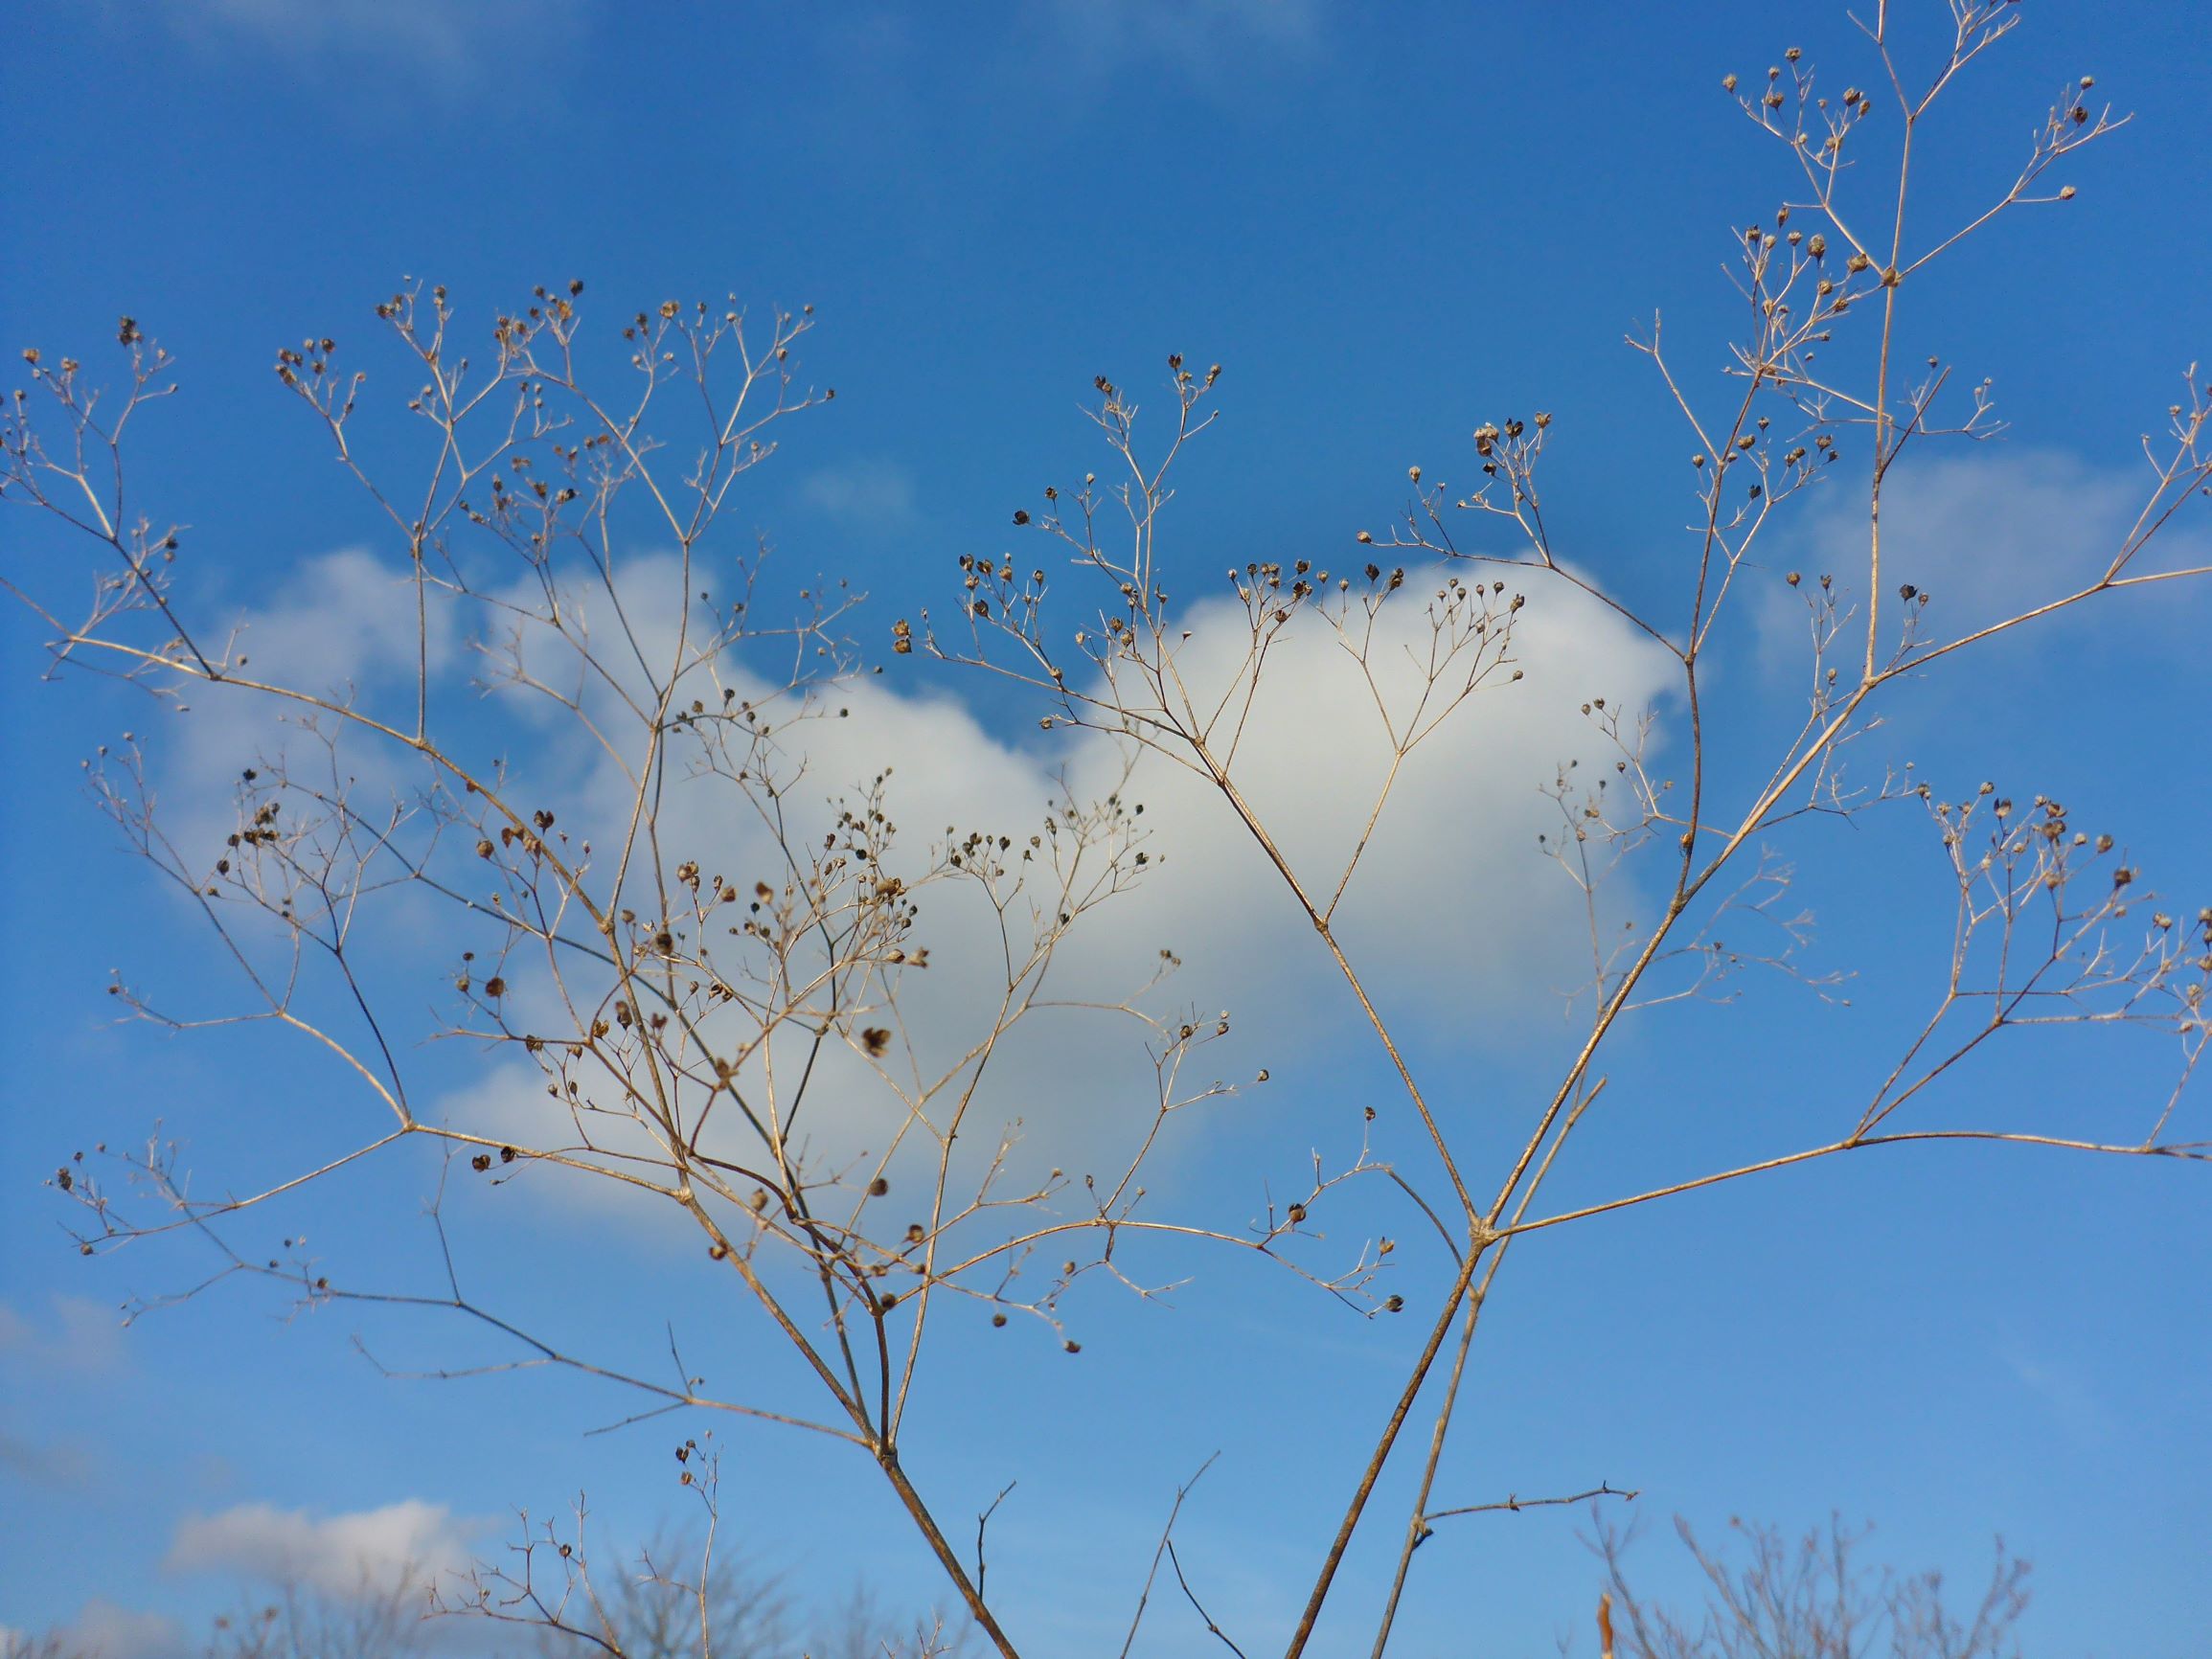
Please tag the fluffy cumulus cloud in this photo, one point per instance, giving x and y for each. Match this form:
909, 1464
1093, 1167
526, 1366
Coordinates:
340, 1555
1452, 912
1452, 898
1451, 905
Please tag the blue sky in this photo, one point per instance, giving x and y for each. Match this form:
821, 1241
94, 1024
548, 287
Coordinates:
1388, 226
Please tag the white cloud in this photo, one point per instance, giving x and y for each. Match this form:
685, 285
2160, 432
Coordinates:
338, 1554
1452, 907
342, 1556
876, 495
75, 1335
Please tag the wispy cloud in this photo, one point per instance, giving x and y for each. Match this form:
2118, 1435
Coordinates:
442, 39
1201, 39
867, 495
73, 1335
2066, 1395
1215, 46
44, 1462
1986, 535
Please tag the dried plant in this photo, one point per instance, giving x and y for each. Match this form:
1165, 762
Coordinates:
683, 1594
722, 992
380, 1620
1809, 1600
678, 1596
